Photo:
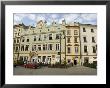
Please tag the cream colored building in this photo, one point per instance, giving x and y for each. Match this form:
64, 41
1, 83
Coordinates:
51, 44
88, 34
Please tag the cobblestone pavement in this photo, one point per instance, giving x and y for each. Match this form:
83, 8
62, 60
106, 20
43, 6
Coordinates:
76, 70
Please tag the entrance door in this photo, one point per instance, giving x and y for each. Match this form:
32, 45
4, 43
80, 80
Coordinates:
75, 62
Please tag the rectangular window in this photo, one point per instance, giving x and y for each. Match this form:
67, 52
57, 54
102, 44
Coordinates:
84, 38
17, 40
14, 40
75, 32
68, 32
75, 40
34, 38
94, 49
39, 38
50, 36
44, 47
68, 40
44, 37
84, 30
27, 40
92, 30
22, 39
16, 48
57, 36
49, 46
76, 49
57, 46
27, 47
22, 47
34, 48
85, 49
39, 47
93, 39
69, 50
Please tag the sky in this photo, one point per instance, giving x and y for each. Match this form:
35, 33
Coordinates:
33, 18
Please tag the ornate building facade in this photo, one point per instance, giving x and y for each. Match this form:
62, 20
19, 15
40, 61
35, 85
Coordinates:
55, 43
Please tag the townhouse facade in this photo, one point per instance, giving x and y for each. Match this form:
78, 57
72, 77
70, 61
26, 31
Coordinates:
54, 43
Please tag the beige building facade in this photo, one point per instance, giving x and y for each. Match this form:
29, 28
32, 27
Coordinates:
53, 43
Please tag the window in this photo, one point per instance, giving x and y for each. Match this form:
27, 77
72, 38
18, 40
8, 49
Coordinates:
93, 39
50, 36
40, 30
94, 49
48, 29
17, 40
75, 32
75, 40
84, 30
85, 49
27, 47
69, 50
34, 38
44, 47
14, 40
39, 47
22, 39
57, 46
57, 36
49, 46
27, 40
44, 37
16, 48
68, 40
76, 49
34, 48
39, 38
22, 47
84, 38
68, 32
92, 30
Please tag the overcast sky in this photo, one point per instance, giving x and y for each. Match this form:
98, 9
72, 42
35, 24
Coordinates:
31, 19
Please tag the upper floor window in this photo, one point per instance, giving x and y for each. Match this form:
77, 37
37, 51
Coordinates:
93, 39
45, 37
57, 46
69, 50
49, 46
84, 30
68, 40
22, 47
76, 49
94, 49
75, 32
68, 32
92, 30
50, 36
39, 47
85, 49
39, 38
84, 38
34, 48
27, 47
23, 39
14, 40
27, 40
44, 46
75, 40
34, 38
17, 40
57, 36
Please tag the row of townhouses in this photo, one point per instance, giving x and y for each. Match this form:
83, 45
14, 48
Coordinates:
74, 42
